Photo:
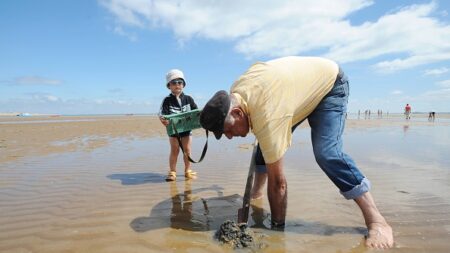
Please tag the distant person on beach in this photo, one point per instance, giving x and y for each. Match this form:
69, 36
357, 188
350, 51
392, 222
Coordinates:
432, 115
271, 99
408, 111
177, 102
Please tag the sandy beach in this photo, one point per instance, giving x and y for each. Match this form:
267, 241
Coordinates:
96, 184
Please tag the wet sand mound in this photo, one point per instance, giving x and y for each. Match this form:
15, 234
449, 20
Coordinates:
236, 235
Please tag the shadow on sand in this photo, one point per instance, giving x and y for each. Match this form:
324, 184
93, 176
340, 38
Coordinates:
260, 218
188, 211
138, 178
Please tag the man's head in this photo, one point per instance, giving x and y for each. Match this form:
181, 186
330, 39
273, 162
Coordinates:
223, 115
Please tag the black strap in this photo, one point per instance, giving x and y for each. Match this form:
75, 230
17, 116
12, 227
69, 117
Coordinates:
182, 149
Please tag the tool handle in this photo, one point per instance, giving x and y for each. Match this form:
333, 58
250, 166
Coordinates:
249, 185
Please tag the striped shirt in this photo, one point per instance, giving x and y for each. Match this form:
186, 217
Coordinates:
172, 105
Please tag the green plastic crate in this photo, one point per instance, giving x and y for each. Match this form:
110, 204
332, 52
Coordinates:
183, 122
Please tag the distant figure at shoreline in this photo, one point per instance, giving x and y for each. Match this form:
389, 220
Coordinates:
431, 115
379, 113
408, 111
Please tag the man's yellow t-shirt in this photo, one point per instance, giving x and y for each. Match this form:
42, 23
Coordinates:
280, 93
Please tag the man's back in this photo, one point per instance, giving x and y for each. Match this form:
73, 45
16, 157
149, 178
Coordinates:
281, 92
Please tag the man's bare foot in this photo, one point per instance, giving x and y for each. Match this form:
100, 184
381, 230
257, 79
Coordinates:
380, 236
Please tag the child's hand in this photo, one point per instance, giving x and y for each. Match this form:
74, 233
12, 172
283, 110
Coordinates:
164, 121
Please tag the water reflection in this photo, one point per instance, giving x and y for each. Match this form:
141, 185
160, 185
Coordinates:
405, 128
181, 213
187, 210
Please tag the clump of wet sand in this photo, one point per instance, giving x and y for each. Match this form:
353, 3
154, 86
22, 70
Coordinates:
235, 235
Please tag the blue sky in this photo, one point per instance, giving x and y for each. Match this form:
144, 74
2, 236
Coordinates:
111, 56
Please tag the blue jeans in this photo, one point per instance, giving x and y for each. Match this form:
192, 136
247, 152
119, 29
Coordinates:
327, 123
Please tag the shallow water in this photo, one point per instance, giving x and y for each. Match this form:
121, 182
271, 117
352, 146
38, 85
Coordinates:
115, 199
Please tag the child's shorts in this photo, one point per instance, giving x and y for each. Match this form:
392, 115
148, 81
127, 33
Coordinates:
183, 134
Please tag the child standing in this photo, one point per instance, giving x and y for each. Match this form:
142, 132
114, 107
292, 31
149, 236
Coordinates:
177, 102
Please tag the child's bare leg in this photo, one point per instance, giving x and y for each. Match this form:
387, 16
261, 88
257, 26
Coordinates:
174, 151
186, 142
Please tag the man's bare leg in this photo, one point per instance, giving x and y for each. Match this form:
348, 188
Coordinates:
258, 185
380, 233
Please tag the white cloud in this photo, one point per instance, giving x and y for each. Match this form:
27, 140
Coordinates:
405, 38
396, 92
410, 32
43, 97
51, 98
51, 104
441, 95
128, 12
116, 91
436, 72
35, 80
119, 30
103, 101
444, 84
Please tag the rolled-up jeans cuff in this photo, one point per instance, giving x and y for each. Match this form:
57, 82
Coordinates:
358, 190
261, 169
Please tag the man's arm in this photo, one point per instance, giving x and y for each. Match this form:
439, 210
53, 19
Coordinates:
277, 191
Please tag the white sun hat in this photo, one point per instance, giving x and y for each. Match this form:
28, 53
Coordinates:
174, 74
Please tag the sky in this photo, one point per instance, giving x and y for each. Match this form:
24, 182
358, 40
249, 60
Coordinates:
111, 56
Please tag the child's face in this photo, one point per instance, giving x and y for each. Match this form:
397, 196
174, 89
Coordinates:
176, 86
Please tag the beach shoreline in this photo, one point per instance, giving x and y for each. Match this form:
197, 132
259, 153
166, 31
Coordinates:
43, 135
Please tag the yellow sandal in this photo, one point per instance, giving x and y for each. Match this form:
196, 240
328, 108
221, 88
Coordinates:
190, 174
172, 176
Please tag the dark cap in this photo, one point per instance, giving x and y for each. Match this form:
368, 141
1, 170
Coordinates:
214, 113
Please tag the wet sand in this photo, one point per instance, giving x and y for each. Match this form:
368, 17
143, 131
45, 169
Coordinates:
96, 184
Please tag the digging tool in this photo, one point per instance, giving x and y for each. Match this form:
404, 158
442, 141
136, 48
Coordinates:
243, 212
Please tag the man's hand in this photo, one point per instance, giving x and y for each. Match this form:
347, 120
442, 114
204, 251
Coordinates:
277, 192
